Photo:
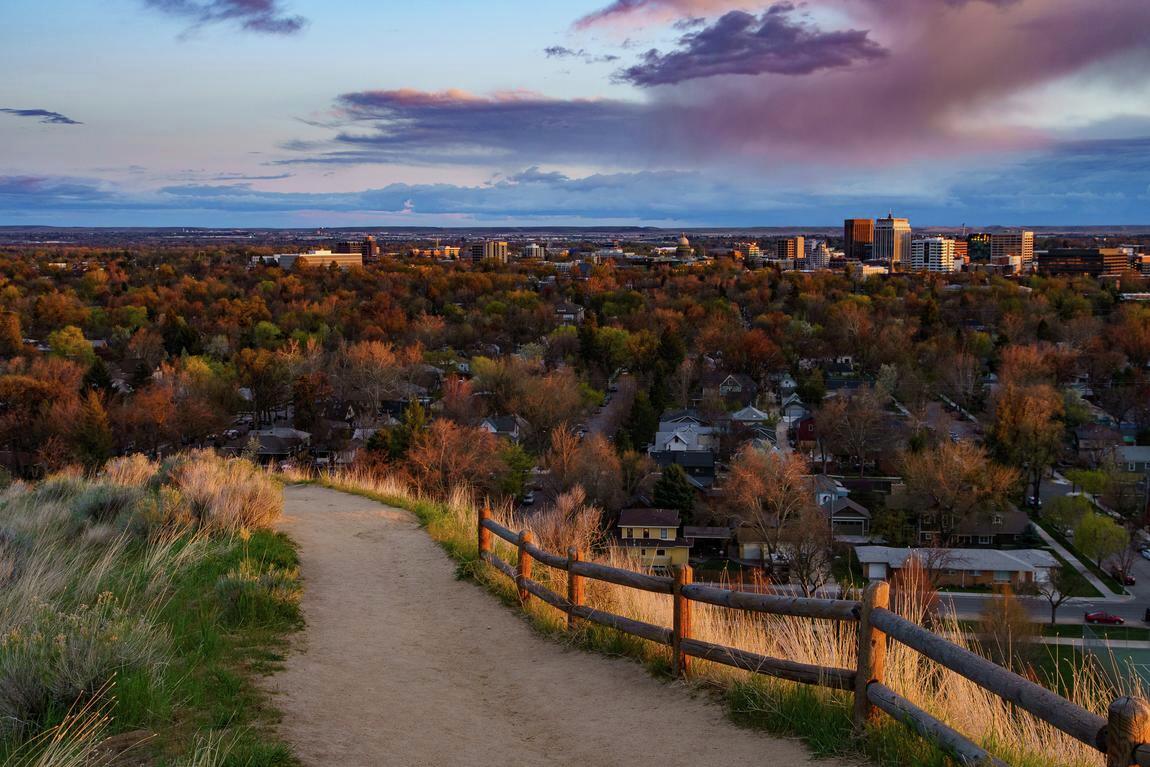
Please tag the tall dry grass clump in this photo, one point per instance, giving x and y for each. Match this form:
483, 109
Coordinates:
224, 494
1014, 735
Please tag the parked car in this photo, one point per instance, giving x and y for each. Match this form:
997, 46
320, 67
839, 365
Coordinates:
1122, 577
1034, 502
1104, 617
529, 498
1145, 553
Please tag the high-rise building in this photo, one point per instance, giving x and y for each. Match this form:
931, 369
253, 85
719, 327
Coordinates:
791, 248
491, 250
1012, 251
892, 242
858, 238
819, 256
535, 251
932, 254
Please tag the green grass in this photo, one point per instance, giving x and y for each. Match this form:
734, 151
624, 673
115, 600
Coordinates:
1134, 633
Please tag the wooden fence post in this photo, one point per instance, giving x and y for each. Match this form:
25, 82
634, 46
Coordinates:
871, 654
523, 566
681, 663
574, 587
484, 540
1128, 726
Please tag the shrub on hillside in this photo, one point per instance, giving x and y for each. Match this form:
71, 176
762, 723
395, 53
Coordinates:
131, 470
226, 495
107, 503
58, 658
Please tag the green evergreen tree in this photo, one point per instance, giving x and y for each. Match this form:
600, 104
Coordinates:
93, 435
674, 491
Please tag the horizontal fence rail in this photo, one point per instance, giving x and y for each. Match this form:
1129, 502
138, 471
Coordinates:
1123, 735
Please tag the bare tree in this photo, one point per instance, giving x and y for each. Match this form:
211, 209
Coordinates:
1059, 587
807, 541
767, 491
852, 425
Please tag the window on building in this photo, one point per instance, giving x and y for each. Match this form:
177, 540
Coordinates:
997, 519
660, 552
646, 532
975, 573
1002, 576
985, 540
664, 533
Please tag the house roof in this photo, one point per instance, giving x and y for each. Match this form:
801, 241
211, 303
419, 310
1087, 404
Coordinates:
1096, 431
1022, 560
505, 424
750, 414
1135, 453
845, 507
648, 518
652, 543
1013, 523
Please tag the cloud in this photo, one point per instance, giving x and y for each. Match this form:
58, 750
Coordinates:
562, 52
457, 127
44, 116
738, 43
262, 16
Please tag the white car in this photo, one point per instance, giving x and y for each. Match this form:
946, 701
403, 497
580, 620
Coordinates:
1145, 553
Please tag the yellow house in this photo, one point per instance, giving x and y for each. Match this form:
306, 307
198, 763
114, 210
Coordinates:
654, 534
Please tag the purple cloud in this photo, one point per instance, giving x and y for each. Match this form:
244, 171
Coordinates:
738, 43
458, 127
264, 16
563, 52
43, 115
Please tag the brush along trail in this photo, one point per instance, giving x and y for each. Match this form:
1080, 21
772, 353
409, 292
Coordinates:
402, 664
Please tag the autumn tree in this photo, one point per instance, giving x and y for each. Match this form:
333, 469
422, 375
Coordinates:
447, 456
1026, 431
92, 435
852, 425
11, 335
951, 484
1061, 584
266, 376
1099, 537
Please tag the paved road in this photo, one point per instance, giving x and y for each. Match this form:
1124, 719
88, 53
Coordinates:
612, 415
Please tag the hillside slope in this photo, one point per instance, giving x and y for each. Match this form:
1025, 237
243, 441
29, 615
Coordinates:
403, 664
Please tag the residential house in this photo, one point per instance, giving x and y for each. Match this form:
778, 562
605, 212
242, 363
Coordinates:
654, 534
685, 439
793, 409
734, 388
962, 568
509, 427
1095, 444
750, 416
850, 521
567, 313
996, 528
1134, 459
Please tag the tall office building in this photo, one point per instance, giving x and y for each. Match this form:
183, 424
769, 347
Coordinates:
1087, 261
818, 257
535, 251
491, 250
791, 248
892, 242
932, 254
858, 238
1013, 251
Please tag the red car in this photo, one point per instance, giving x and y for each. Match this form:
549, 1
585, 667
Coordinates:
1107, 618
1122, 577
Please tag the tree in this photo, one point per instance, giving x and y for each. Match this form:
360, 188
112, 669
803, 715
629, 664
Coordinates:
1006, 631
807, 542
93, 434
1062, 584
11, 335
953, 483
852, 425
69, 342
674, 491
1099, 537
266, 375
1026, 431
446, 457
766, 491
1067, 511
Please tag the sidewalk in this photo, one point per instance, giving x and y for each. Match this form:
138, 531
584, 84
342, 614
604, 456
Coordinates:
1063, 552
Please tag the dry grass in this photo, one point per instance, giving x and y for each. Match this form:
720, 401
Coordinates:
1014, 735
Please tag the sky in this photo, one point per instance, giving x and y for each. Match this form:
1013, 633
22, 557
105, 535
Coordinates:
376, 113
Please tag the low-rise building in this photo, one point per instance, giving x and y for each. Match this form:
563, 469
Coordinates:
961, 568
654, 535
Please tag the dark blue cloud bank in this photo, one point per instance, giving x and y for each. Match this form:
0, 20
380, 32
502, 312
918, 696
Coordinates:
41, 115
1104, 181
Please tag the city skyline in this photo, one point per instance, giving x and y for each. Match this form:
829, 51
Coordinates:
638, 112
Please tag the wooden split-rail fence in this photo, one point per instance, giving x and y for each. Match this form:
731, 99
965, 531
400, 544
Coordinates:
1123, 736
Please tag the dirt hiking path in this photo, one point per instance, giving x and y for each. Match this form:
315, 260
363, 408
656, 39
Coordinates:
403, 665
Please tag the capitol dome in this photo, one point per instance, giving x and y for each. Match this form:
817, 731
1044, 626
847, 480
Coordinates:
684, 241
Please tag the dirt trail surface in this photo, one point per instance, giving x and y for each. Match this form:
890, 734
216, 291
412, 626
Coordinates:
403, 665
